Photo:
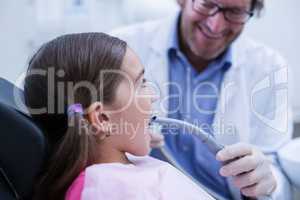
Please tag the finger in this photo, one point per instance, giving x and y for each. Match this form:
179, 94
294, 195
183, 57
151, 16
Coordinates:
241, 165
157, 144
250, 178
157, 140
156, 137
258, 190
234, 151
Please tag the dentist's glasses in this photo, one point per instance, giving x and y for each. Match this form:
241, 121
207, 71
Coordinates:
232, 15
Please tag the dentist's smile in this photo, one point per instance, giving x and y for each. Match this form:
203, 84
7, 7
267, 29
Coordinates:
206, 32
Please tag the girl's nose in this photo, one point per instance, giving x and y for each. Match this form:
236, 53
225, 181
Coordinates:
153, 91
155, 96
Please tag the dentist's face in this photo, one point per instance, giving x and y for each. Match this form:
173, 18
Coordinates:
207, 37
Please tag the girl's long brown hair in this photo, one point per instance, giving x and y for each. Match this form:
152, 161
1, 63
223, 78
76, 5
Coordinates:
73, 58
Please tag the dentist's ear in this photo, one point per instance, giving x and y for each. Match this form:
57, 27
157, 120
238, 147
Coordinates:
99, 120
181, 3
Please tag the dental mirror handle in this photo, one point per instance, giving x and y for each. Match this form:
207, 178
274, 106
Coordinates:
205, 137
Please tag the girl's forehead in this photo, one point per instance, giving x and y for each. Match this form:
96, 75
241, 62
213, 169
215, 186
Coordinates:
131, 64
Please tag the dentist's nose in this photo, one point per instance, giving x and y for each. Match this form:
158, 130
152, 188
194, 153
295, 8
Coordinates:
217, 23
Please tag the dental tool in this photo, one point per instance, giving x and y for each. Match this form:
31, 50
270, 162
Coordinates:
205, 137
213, 146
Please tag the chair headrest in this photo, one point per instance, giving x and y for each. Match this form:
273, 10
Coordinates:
22, 145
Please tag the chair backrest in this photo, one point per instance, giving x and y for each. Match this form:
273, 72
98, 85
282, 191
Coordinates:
22, 146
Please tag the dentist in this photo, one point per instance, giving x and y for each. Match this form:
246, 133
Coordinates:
211, 75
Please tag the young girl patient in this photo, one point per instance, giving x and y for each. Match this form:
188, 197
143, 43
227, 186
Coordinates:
88, 93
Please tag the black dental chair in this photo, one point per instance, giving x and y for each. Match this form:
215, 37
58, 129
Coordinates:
22, 146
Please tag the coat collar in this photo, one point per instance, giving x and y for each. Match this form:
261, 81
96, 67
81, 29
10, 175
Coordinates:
160, 42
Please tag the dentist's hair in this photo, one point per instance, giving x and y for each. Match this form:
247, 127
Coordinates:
258, 6
73, 58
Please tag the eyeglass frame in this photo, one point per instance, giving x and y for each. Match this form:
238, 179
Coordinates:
224, 10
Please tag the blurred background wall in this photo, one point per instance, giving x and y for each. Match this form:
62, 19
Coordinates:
26, 24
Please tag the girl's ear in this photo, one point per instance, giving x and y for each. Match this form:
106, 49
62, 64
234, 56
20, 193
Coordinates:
98, 120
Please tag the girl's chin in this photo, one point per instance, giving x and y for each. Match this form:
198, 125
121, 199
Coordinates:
143, 152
